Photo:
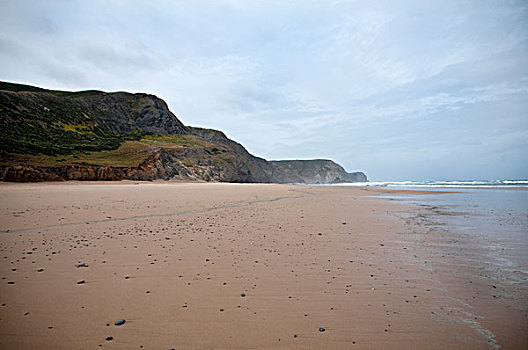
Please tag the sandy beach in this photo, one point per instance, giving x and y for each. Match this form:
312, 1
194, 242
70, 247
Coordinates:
232, 266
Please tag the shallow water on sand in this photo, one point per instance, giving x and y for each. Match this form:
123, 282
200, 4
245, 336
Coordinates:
499, 216
478, 245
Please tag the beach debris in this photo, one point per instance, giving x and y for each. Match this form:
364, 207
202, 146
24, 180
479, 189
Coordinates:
81, 282
321, 329
109, 338
320, 234
40, 270
82, 265
119, 322
242, 294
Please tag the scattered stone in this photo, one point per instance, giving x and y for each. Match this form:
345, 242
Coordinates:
10, 282
82, 265
109, 338
242, 294
320, 234
40, 270
322, 329
81, 282
120, 322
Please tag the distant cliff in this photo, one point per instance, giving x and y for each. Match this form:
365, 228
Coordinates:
317, 171
48, 135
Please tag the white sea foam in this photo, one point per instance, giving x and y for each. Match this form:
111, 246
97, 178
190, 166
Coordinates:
468, 183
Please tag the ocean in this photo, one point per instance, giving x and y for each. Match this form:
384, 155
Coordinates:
440, 184
494, 212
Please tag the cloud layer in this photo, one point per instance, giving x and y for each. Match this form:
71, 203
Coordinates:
413, 90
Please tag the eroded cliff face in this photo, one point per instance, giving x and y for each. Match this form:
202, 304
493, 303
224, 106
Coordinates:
57, 135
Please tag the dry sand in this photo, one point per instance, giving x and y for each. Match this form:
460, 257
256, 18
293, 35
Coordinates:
225, 266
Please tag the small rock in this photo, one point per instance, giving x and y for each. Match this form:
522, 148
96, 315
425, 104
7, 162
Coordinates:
322, 329
120, 322
40, 270
81, 282
109, 338
242, 294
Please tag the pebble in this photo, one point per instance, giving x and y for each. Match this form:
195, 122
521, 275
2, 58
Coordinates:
109, 338
322, 329
120, 322
81, 282
242, 294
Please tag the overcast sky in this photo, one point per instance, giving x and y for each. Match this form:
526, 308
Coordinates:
402, 90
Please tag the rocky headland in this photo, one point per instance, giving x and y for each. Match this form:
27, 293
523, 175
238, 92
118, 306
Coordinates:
49, 135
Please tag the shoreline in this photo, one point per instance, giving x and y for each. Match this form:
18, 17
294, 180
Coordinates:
196, 247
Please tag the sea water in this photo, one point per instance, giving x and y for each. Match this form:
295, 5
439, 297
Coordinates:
494, 217
441, 184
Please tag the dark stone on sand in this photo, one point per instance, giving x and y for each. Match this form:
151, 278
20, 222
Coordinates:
82, 265
322, 329
10, 282
320, 234
109, 338
242, 294
120, 322
40, 270
81, 282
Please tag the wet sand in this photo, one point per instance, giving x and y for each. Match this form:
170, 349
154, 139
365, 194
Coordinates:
223, 266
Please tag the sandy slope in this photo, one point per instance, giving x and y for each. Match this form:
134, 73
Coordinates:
174, 259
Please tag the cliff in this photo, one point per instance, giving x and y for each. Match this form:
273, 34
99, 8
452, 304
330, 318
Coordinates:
317, 171
48, 135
